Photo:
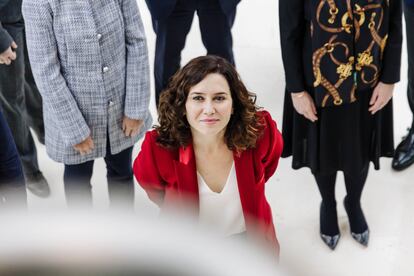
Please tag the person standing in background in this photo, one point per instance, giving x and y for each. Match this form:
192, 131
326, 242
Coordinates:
172, 20
90, 61
341, 60
404, 153
19, 97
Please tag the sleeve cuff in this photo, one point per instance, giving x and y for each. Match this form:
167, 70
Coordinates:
77, 136
5, 40
136, 115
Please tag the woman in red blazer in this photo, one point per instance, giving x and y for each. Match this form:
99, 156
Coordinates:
209, 125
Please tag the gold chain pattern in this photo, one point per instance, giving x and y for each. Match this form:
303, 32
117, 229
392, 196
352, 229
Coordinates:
354, 18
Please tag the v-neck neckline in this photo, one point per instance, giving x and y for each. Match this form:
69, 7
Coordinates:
225, 184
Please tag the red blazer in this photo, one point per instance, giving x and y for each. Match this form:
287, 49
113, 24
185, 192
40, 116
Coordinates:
169, 177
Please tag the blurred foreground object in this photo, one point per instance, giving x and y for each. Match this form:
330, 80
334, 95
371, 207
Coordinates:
119, 244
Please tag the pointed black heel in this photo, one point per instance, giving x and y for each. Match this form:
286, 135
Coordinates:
331, 239
362, 237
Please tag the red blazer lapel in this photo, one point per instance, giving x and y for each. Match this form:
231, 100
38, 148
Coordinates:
246, 184
186, 172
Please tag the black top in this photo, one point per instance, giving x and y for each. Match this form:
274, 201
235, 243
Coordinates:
345, 137
10, 16
323, 48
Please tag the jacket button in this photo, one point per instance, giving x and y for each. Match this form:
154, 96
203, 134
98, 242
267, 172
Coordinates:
110, 103
99, 36
105, 69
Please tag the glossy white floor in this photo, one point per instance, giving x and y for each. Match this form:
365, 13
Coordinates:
293, 195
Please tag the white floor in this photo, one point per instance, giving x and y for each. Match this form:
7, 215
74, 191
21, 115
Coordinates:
293, 195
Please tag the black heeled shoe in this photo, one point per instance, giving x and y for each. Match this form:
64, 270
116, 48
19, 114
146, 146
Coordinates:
363, 236
330, 240
404, 153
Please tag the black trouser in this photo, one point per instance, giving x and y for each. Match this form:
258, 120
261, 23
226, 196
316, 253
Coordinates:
78, 188
409, 23
12, 185
215, 27
21, 102
354, 186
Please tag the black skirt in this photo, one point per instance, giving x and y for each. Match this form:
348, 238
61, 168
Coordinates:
345, 138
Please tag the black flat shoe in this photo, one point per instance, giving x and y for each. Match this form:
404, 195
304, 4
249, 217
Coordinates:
362, 237
328, 220
37, 184
404, 153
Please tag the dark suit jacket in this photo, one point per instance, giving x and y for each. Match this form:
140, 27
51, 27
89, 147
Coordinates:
162, 8
169, 177
409, 3
10, 16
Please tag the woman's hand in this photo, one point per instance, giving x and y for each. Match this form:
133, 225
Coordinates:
380, 97
85, 147
131, 127
304, 105
9, 54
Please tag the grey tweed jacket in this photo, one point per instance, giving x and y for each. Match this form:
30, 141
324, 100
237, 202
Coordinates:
90, 62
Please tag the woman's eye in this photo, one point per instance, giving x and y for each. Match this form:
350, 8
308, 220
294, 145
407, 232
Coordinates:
219, 98
198, 98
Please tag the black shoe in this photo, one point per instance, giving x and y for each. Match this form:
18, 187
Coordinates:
404, 153
361, 238
329, 230
37, 184
330, 241
357, 223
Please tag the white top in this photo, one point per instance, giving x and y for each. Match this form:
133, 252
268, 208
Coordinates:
221, 212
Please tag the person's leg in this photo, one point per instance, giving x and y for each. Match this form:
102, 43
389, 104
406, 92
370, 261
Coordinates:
215, 27
12, 99
120, 179
354, 186
34, 108
13, 102
328, 217
409, 21
12, 184
171, 35
77, 182
404, 153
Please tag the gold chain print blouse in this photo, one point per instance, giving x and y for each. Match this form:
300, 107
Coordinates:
349, 38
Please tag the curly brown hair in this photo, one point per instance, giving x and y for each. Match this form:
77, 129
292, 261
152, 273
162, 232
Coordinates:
245, 125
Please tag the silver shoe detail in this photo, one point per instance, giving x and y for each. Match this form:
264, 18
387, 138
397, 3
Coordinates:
330, 241
361, 238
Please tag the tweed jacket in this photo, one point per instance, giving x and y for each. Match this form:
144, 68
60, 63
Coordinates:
160, 9
90, 62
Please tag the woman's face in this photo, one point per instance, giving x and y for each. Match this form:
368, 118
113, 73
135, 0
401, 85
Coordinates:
209, 105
